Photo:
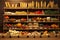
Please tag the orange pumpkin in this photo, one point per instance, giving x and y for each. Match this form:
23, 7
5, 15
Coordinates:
19, 25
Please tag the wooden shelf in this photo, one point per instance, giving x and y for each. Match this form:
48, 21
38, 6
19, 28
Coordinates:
34, 15
16, 15
49, 29
44, 15
16, 22
14, 8
28, 8
47, 22
35, 22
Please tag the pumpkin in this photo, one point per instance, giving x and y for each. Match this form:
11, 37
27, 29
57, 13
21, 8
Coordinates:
19, 25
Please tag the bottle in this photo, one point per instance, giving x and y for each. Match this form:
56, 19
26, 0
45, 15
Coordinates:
12, 5
32, 4
16, 5
41, 4
44, 5
56, 5
7, 4
50, 4
36, 4
21, 3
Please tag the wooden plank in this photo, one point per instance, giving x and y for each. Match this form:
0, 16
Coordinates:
29, 38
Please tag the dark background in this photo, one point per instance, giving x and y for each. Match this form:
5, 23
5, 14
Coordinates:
1, 14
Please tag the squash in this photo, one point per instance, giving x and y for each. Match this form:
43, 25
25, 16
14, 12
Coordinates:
19, 25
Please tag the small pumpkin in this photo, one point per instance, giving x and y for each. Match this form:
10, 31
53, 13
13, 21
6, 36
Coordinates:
19, 25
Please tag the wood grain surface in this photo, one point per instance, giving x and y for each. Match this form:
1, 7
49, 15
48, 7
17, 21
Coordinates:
29, 38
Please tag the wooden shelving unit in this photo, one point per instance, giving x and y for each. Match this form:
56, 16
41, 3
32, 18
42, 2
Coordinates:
33, 15
43, 23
